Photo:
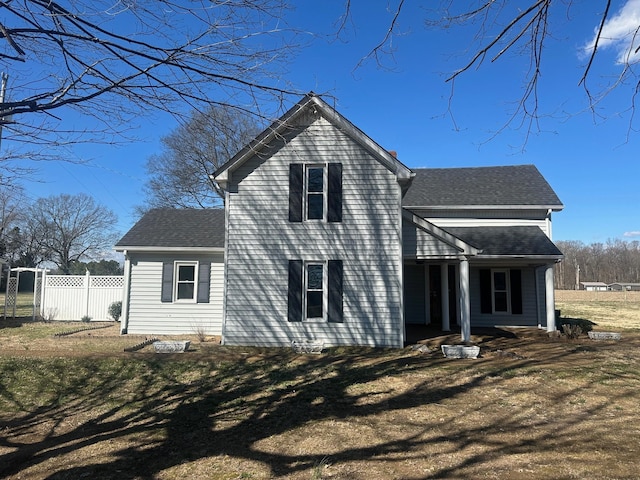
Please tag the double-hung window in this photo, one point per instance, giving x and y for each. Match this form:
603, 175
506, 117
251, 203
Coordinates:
185, 281
500, 289
314, 289
315, 192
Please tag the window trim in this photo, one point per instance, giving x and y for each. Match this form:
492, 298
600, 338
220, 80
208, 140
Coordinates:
507, 291
176, 280
306, 193
305, 290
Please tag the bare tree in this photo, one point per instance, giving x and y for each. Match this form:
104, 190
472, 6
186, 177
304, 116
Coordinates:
11, 201
70, 228
614, 261
520, 32
179, 175
115, 60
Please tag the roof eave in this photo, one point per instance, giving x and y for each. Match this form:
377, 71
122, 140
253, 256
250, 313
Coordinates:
552, 258
159, 249
555, 208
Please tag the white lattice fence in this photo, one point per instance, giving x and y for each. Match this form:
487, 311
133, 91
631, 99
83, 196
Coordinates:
71, 297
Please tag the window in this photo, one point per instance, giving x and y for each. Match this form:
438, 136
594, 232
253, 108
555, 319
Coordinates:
314, 297
501, 291
314, 183
315, 192
185, 281
315, 291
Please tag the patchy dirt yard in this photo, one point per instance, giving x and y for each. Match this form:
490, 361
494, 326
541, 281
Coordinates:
79, 406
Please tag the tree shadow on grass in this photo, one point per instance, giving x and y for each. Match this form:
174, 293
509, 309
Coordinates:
165, 412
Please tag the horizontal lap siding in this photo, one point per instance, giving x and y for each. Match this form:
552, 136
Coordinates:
417, 243
262, 241
529, 316
486, 218
148, 315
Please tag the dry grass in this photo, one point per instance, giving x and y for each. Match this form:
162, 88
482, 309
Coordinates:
609, 310
78, 406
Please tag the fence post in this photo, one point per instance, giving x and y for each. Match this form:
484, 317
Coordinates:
43, 288
87, 281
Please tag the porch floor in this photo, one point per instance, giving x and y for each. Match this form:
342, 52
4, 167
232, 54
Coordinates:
429, 333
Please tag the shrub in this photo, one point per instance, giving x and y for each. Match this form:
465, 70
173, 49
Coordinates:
571, 331
115, 310
86, 319
585, 325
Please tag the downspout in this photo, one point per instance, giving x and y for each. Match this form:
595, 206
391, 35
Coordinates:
224, 268
403, 323
124, 319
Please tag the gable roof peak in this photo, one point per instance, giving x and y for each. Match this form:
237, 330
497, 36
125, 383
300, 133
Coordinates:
313, 100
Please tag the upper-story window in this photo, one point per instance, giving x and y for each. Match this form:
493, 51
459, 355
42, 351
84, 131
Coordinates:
315, 192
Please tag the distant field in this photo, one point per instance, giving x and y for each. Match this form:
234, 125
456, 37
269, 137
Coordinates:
609, 310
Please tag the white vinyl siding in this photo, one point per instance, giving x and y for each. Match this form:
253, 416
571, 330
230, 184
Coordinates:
418, 244
148, 315
262, 240
486, 218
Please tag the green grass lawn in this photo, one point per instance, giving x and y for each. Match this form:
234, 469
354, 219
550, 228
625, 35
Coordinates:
24, 305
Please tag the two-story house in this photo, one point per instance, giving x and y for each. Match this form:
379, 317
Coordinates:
328, 236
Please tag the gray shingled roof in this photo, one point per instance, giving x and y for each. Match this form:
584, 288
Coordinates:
173, 227
521, 185
507, 240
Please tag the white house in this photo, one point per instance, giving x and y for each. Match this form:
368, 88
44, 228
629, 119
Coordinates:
328, 236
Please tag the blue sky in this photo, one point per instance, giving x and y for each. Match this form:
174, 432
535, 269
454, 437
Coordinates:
591, 162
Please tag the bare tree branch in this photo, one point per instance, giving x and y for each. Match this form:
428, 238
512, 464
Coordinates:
379, 49
119, 61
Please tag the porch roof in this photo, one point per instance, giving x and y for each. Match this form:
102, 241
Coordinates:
508, 241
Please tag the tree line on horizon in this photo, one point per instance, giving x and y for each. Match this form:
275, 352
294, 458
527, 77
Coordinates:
610, 262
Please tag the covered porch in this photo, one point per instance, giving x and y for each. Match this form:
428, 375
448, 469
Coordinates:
468, 277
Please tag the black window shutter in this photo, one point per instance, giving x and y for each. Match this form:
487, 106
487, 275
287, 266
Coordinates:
167, 282
295, 291
295, 192
334, 191
335, 291
204, 275
485, 291
516, 291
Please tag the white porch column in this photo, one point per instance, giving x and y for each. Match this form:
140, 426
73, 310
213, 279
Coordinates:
444, 280
465, 305
551, 298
